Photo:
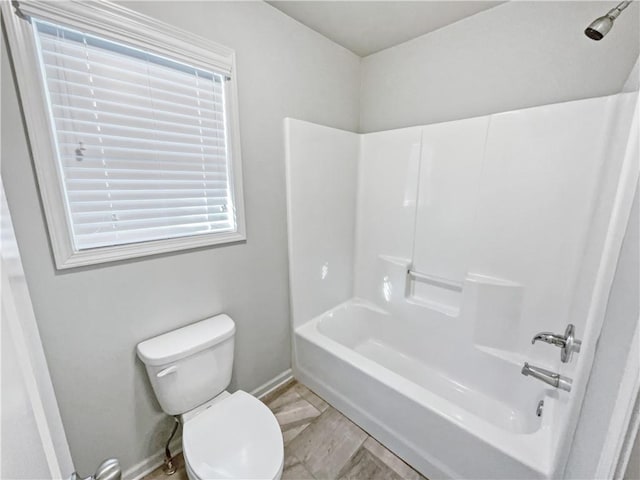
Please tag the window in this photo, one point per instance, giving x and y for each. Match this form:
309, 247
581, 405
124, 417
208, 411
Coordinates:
141, 155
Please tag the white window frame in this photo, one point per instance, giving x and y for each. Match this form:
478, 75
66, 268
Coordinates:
119, 24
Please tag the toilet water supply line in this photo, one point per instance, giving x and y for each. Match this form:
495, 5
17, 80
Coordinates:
168, 467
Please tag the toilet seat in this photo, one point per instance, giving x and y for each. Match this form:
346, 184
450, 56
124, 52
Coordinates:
235, 438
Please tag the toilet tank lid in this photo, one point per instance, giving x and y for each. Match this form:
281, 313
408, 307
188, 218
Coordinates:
185, 341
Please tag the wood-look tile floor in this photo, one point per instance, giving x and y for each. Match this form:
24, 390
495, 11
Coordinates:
320, 443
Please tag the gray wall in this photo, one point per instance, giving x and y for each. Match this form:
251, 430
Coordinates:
90, 319
515, 55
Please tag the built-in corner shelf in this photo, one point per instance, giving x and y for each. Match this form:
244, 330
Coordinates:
433, 292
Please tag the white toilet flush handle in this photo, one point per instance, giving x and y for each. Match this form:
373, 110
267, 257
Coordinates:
167, 371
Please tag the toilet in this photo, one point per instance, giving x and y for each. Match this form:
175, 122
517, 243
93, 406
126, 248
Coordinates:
225, 435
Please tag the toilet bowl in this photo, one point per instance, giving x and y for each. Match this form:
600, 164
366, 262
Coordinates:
237, 437
225, 435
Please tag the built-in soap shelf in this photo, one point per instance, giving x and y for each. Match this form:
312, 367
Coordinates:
401, 284
434, 292
491, 306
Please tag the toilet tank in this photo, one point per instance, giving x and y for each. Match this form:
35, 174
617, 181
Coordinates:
190, 365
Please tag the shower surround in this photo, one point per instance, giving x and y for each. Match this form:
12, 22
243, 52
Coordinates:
423, 260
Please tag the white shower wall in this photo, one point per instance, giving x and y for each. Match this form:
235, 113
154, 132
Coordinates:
509, 196
321, 201
387, 194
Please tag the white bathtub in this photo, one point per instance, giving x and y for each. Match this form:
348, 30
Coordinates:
434, 406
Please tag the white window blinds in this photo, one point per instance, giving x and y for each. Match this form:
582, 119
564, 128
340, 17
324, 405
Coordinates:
142, 141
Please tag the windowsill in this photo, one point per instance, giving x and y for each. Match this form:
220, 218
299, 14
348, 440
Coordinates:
136, 250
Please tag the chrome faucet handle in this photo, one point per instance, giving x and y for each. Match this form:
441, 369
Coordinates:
571, 344
548, 337
567, 342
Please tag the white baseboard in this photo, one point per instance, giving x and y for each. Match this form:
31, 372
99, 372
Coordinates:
268, 387
149, 464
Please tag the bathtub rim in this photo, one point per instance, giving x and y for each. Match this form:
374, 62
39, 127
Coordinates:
541, 463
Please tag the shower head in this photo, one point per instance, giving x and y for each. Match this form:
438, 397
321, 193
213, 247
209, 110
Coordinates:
601, 25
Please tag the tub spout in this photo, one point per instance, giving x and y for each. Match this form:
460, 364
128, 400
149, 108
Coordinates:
551, 378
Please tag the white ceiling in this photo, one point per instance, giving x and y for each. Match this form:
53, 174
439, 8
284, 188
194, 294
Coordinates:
365, 27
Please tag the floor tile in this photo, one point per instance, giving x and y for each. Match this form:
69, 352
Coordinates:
294, 469
311, 397
391, 460
278, 391
292, 415
327, 444
295, 413
286, 396
365, 466
291, 433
